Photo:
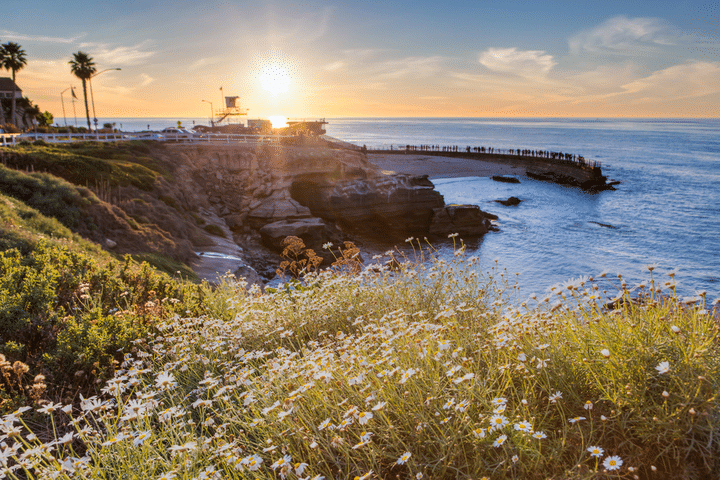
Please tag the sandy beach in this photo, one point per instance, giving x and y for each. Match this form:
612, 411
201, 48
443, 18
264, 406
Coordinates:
440, 167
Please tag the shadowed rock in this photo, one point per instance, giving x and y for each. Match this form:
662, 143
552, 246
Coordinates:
392, 204
465, 220
504, 179
510, 202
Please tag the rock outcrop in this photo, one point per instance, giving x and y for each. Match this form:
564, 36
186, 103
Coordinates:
510, 202
465, 220
395, 205
313, 231
504, 179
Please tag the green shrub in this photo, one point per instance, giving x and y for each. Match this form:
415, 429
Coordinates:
169, 201
167, 265
214, 230
61, 311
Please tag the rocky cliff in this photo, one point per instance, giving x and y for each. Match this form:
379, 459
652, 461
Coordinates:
316, 193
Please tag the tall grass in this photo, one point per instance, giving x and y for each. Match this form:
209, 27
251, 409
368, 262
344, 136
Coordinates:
425, 370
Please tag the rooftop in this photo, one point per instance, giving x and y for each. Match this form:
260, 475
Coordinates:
7, 85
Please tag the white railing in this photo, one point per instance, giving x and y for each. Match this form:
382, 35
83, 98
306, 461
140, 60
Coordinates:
15, 138
9, 139
221, 138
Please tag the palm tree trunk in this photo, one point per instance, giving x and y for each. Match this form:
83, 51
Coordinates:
87, 109
13, 120
2, 115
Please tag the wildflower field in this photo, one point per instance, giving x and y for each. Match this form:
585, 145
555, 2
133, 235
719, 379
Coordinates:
429, 369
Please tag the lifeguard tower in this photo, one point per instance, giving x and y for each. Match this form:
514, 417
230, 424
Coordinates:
232, 113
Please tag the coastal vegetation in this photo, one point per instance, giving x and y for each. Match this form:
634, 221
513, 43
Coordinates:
399, 367
431, 369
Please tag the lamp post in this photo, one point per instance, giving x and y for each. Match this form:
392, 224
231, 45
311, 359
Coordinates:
93, 96
212, 115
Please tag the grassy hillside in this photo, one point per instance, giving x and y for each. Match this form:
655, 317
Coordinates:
91, 164
115, 192
427, 371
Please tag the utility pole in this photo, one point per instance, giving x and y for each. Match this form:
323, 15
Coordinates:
212, 114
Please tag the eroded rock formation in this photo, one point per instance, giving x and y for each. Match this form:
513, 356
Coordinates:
317, 194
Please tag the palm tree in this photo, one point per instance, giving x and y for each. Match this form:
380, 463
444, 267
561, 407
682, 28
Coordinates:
83, 67
13, 59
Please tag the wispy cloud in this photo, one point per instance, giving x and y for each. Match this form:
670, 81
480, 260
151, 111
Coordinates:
334, 66
626, 36
678, 82
363, 52
409, 67
6, 34
204, 62
524, 63
145, 79
121, 55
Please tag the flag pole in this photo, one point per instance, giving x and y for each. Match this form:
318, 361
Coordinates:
74, 97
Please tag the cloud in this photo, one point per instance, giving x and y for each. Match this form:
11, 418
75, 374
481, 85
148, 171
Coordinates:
626, 36
678, 82
409, 67
6, 34
524, 63
146, 79
603, 78
332, 67
204, 62
363, 52
119, 56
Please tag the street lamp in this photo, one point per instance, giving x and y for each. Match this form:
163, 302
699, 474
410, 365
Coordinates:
212, 115
93, 96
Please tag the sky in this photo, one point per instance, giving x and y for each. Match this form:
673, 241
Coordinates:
375, 58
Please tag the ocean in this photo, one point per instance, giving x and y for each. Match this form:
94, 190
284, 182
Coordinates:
666, 211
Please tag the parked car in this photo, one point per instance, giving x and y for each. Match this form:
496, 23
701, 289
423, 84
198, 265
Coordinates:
173, 133
147, 136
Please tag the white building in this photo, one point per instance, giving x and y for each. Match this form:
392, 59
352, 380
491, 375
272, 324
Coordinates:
8, 88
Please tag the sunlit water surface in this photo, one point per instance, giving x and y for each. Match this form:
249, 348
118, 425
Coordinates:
665, 212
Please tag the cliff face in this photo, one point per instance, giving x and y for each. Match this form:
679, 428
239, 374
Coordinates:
254, 188
394, 205
225, 201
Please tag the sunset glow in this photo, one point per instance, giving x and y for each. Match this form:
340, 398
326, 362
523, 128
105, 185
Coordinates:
275, 78
350, 59
278, 121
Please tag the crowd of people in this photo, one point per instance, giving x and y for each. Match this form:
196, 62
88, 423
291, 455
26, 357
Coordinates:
559, 156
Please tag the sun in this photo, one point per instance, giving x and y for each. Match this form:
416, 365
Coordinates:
275, 78
278, 121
